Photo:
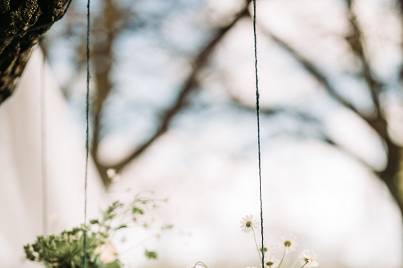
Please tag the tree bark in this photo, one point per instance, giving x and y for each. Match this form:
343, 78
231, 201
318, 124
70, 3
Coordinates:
390, 175
22, 23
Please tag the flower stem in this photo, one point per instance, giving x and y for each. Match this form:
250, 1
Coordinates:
257, 247
282, 258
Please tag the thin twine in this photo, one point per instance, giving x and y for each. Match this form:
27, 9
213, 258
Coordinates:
87, 132
258, 133
44, 173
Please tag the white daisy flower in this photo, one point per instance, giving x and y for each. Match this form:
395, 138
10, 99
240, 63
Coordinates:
309, 259
289, 243
248, 224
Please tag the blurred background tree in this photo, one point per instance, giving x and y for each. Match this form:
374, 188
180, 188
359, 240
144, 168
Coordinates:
176, 47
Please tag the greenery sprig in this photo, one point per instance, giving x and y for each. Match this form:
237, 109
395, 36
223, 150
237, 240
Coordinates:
65, 250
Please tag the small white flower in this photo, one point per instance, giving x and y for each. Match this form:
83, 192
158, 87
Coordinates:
309, 259
289, 243
248, 224
107, 253
112, 174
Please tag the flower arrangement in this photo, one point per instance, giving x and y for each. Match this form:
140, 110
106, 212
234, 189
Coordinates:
66, 250
306, 259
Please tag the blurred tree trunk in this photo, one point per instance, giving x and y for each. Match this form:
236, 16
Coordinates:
110, 24
391, 174
22, 23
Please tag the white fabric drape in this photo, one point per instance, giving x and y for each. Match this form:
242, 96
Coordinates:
21, 205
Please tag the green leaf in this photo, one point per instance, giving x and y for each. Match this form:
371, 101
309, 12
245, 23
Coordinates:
122, 226
94, 221
151, 255
137, 210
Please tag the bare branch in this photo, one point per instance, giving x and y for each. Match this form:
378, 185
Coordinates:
274, 110
394, 153
103, 57
304, 117
356, 42
188, 87
378, 123
390, 175
400, 3
310, 67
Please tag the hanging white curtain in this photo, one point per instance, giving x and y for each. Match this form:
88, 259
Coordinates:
21, 191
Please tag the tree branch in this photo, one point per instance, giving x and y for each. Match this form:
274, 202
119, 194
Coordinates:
378, 123
103, 57
400, 3
357, 45
304, 117
274, 110
310, 67
390, 174
188, 87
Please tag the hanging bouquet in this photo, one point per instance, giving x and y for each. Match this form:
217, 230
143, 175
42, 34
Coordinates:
68, 249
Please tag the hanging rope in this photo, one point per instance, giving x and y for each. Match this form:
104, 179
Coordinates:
87, 131
258, 134
44, 173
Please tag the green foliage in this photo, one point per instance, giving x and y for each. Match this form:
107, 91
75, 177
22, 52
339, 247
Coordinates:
151, 255
67, 250
137, 210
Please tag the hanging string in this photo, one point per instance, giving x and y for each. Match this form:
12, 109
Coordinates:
87, 131
44, 173
258, 134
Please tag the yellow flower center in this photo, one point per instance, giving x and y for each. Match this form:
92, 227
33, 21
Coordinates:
287, 243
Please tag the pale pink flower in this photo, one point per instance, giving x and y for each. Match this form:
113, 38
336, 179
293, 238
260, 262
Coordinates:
107, 253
